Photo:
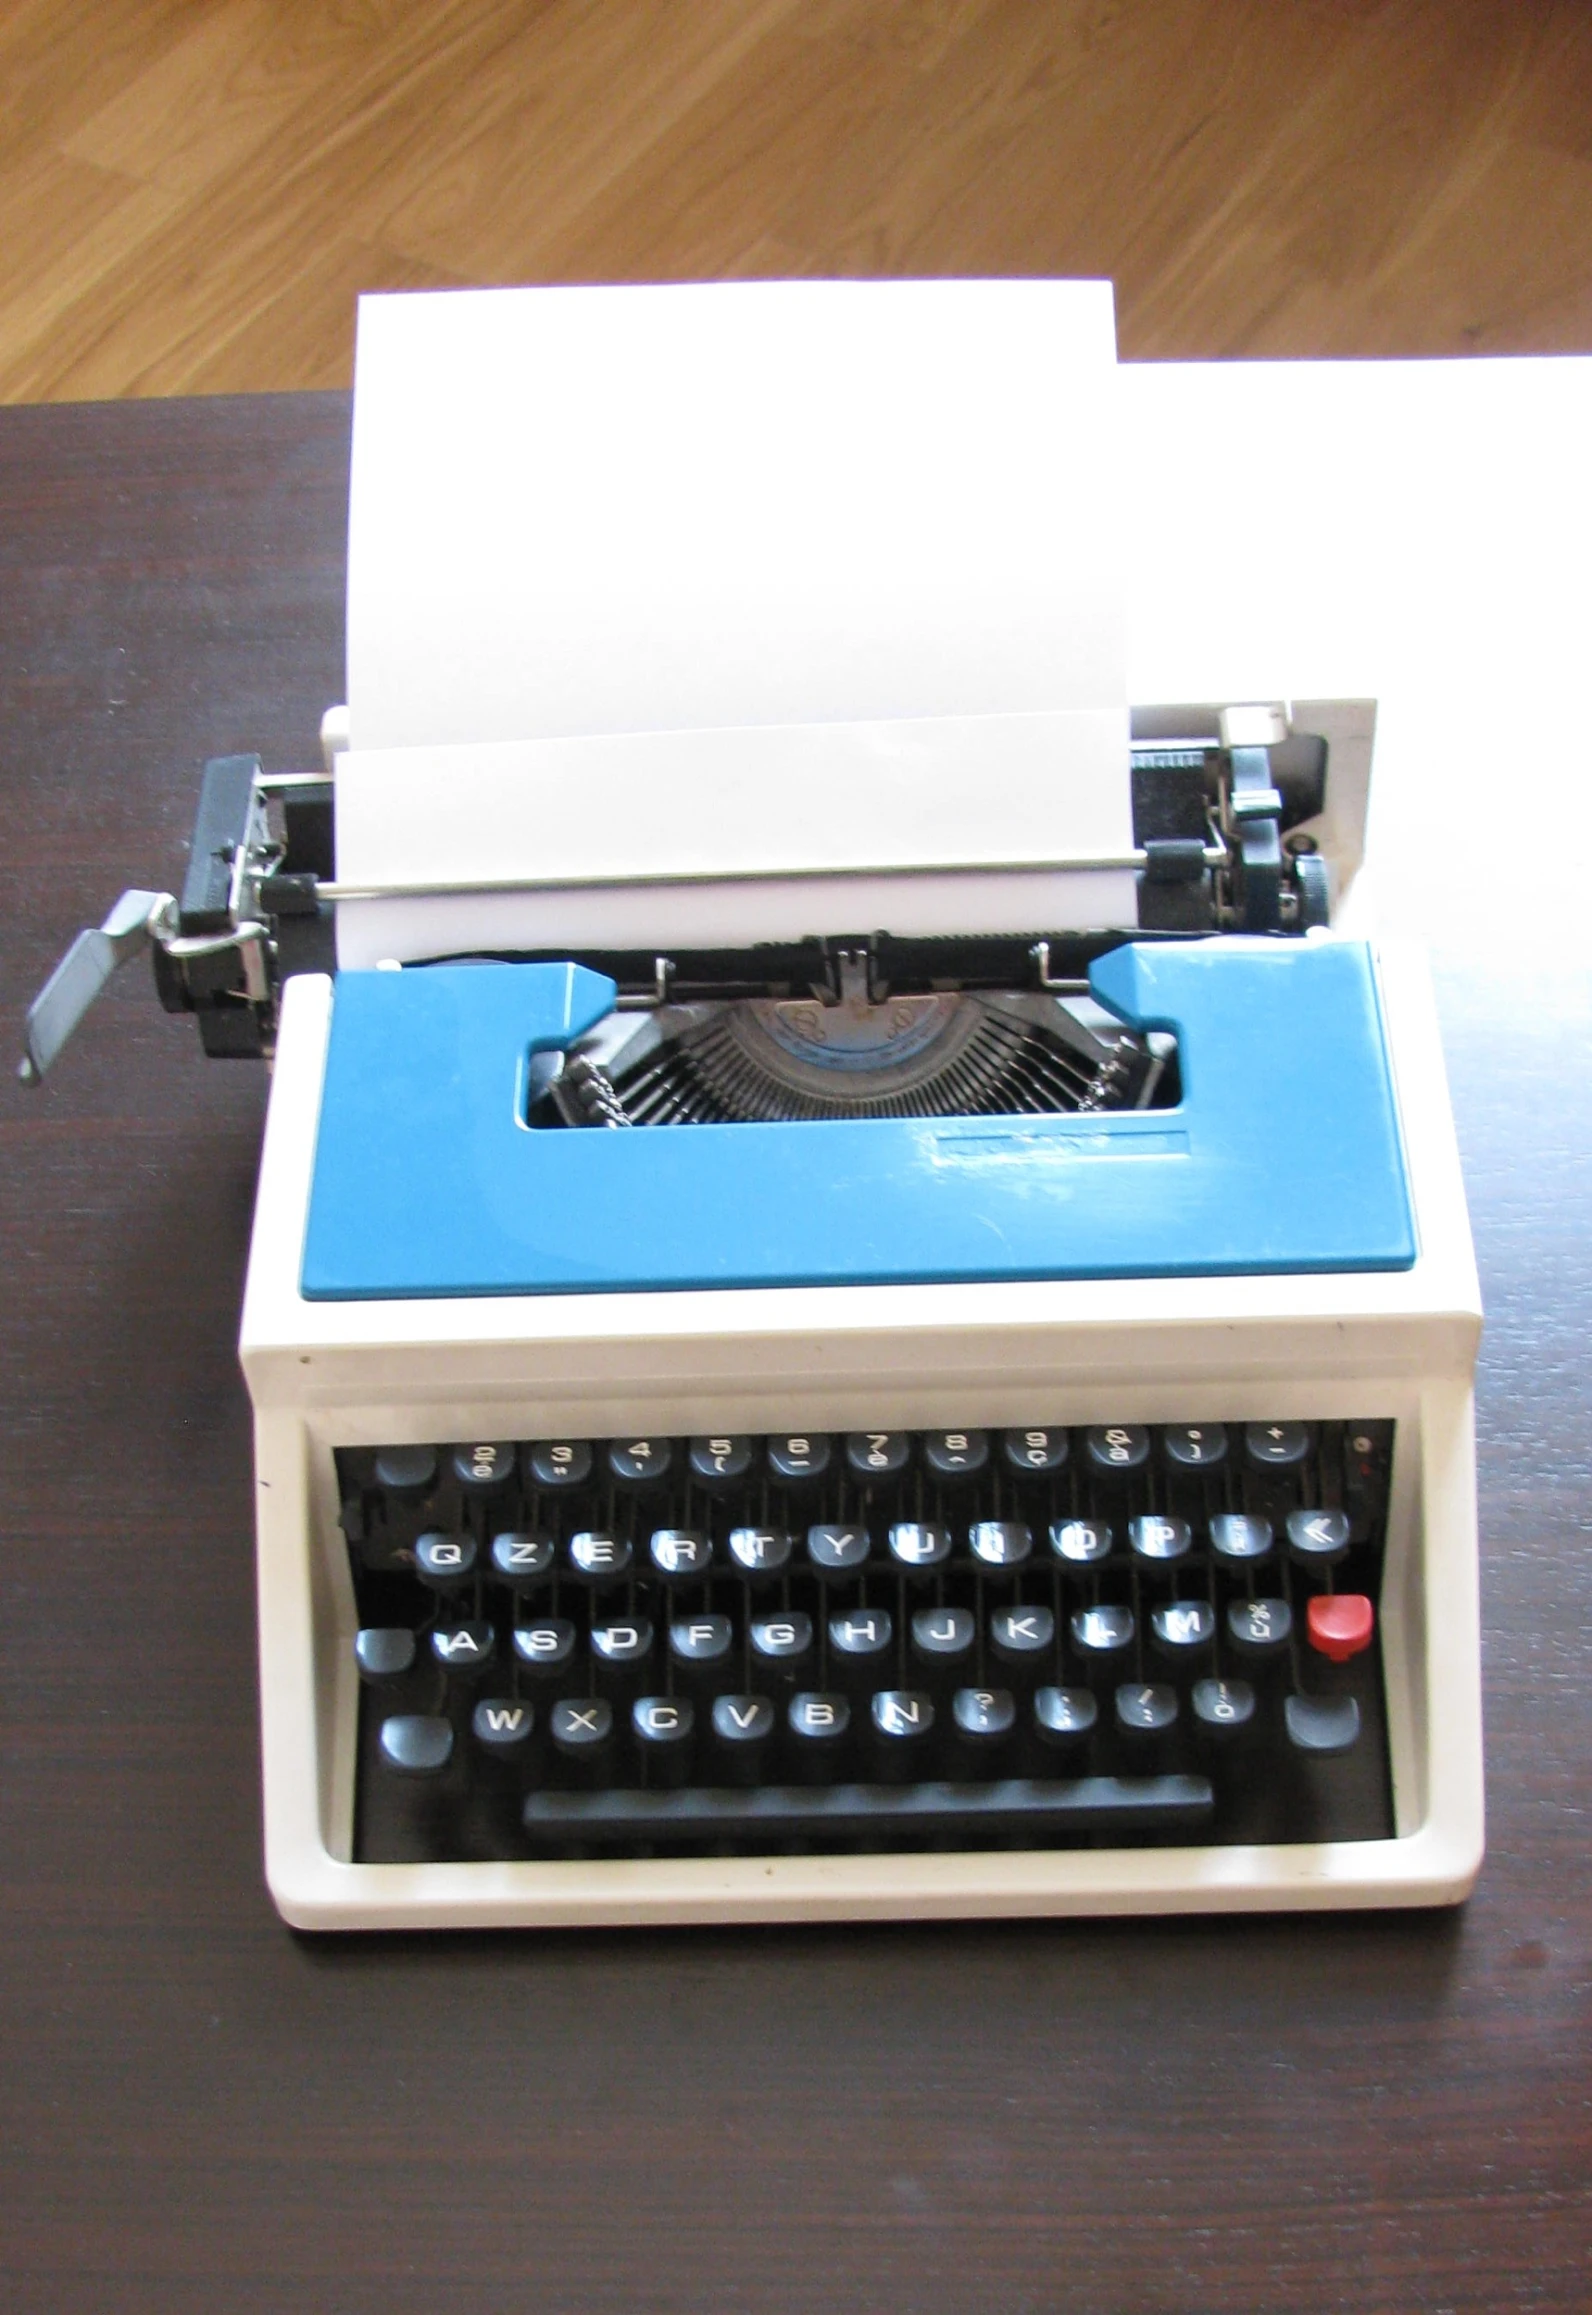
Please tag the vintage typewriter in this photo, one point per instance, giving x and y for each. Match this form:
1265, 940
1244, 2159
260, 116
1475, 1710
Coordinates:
849, 1415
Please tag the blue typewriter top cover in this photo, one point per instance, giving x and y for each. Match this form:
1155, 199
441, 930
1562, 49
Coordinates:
1283, 1153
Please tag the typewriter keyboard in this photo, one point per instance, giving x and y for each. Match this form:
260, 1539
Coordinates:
887, 1640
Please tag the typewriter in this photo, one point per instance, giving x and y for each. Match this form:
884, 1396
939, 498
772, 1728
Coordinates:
768, 1412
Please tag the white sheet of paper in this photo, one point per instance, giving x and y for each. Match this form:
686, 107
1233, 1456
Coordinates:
791, 829
777, 505
643, 509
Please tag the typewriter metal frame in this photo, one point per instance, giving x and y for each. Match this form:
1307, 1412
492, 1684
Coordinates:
1394, 1344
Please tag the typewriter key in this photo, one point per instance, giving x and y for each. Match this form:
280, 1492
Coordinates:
1183, 1629
1234, 1535
679, 1554
1081, 1542
558, 1462
520, 1560
599, 1559
623, 1643
640, 1462
1064, 1716
760, 1552
1223, 1707
743, 1721
384, 1653
878, 1455
1340, 1624
1318, 1538
416, 1743
999, 1543
916, 1544
1103, 1631
799, 1456
955, 1454
545, 1647
444, 1562
1194, 1446
1322, 1724
1260, 1627
783, 1643
837, 1552
466, 1650
582, 1727
1022, 1635
819, 1722
1159, 1538
1118, 1448
409, 1473
720, 1462
697, 1641
860, 1637
503, 1726
984, 1716
900, 1720
1035, 1453
483, 1470
1146, 1708
943, 1635
1276, 1446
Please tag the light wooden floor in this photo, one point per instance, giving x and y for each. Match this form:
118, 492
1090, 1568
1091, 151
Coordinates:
192, 192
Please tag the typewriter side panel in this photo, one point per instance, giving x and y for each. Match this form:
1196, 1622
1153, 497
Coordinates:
1371, 1347
304, 1594
1431, 1597
1431, 1640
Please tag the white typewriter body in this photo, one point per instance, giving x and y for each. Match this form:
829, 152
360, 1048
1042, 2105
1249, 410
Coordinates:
1399, 1345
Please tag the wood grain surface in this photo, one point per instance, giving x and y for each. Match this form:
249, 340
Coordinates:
201, 2111
193, 192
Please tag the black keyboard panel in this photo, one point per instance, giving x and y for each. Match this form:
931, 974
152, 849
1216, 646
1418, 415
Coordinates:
883, 1641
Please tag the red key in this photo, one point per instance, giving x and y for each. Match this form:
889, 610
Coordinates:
1341, 1624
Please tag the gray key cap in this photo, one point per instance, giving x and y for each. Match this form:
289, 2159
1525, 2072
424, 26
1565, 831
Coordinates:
999, 1543
384, 1652
1322, 1724
502, 1726
416, 1743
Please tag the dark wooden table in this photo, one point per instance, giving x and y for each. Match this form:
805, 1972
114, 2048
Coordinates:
199, 2109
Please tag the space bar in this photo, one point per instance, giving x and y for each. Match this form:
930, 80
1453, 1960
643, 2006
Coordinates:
1085, 1804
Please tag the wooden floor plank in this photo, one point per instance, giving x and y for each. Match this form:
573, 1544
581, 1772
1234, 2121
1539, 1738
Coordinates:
267, 312
203, 105
61, 59
498, 182
194, 191
71, 233
1387, 211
